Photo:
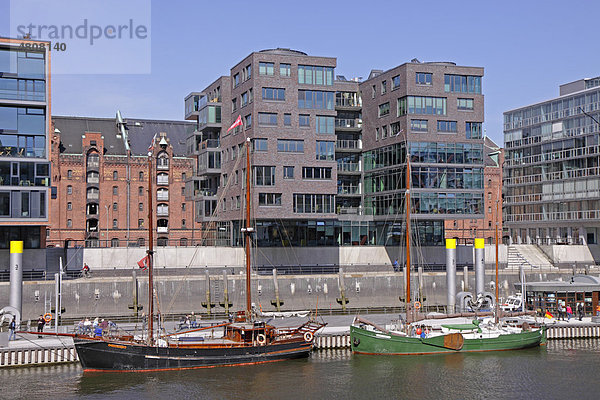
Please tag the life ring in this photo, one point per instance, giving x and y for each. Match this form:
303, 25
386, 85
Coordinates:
356, 342
47, 317
417, 305
261, 339
308, 336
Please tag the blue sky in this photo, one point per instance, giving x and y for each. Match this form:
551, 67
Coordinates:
528, 48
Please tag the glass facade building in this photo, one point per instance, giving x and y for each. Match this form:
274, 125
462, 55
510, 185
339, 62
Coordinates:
24, 126
551, 172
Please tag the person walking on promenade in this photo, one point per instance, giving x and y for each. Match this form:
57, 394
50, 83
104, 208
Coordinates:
41, 323
561, 311
396, 266
12, 327
580, 311
569, 312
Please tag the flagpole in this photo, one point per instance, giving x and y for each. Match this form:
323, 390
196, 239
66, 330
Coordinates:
150, 251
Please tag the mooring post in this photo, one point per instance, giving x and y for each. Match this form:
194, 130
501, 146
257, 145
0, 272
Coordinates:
479, 267
16, 278
451, 274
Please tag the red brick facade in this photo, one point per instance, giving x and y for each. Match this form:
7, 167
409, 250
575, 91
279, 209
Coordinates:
88, 195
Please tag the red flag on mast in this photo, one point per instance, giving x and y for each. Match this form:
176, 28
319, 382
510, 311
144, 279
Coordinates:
143, 263
238, 122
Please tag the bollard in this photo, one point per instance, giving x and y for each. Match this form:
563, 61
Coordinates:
479, 267
16, 278
451, 274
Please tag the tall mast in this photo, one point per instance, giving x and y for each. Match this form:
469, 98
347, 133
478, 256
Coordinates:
247, 232
407, 234
496, 239
150, 251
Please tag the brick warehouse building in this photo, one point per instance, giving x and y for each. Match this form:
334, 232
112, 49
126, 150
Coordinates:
100, 182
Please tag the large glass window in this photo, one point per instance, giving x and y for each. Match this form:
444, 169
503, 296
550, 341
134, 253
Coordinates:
423, 78
384, 109
421, 105
290, 146
316, 173
25, 120
325, 151
269, 199
464, 104
259, 144
396, 82
462, 84
446, 126
304, 120
315, 99
267, 119
24, 64
273, 94
314, 75
418, 125
473, 130
285, 69
266, 68
314, 203
264, 176
325, 125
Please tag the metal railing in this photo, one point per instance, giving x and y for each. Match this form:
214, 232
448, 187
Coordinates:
348, 144
348, 167
348, 189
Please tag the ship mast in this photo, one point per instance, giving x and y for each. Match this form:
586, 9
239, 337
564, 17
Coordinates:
247, 232
407, 234
496, 239
150, 251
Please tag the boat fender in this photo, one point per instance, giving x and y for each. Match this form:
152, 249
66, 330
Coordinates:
417, 305
261, 339
356, 342
308, 336
47, 317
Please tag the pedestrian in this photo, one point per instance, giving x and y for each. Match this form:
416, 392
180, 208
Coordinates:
569, 312
80, 327
598, 310
396, 266
41, 323
87, 326
193, 320
580, 311
11, 327
85, 270
561, 311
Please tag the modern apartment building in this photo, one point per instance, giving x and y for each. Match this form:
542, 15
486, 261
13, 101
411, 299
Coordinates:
315, 134
24, 155
551, 172
434, 112
100, 182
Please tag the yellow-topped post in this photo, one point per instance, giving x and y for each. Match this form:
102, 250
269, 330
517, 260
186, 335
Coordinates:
479, 266
451, 274
16, 276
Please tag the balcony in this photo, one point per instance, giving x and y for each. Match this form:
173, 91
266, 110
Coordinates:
162, 229
347, 103
93, 163
93, 179
209, 144
205, 192
162, 163
348, 167
348, 145
348, 190
348, 123
93, 195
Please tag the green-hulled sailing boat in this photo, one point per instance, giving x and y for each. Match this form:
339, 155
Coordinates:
422, 337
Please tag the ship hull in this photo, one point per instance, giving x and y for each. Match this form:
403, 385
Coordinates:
102, 355
364, 341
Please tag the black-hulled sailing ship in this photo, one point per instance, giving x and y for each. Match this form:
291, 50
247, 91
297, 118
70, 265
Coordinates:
245, 340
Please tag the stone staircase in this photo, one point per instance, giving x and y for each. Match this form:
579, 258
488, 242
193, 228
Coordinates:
527, 255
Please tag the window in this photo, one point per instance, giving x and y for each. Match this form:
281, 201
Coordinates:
236, 80
473, 130
69, 189
287, 119
304, 120
384, 109
489, 210
396, 82
489, 196
140, 223
183, 176
70, 174
248, 121
115, 223
325, 151
464, 104
384, 131
183, 190
259, 144
269, 199
140, 191
250, 96
273, 94
462, 84
418, 125
183, 206
141, 242
233, 105
114, 242
267, 119
285, 69
315, 99
141, 207
395, 128
446, 126
115, 190
314, 75
247, 73
423, 78
183, 226
373, 91
264, 176
115, 206
314, 203
288, 172
69, 223
115, 176
325, 125
141, 175
383, 87
421, 105
316, 173
69, 206
244, 99
265, 68
290, 146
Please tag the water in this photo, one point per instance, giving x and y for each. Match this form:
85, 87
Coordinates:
563, 369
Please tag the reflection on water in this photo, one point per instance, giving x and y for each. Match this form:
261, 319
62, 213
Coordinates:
564, 368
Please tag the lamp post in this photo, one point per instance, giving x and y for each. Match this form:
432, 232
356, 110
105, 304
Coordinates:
107, 208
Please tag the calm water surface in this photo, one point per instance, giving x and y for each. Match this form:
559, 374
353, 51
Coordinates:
563, 369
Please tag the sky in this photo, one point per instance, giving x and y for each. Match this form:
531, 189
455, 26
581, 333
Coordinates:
528, 48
